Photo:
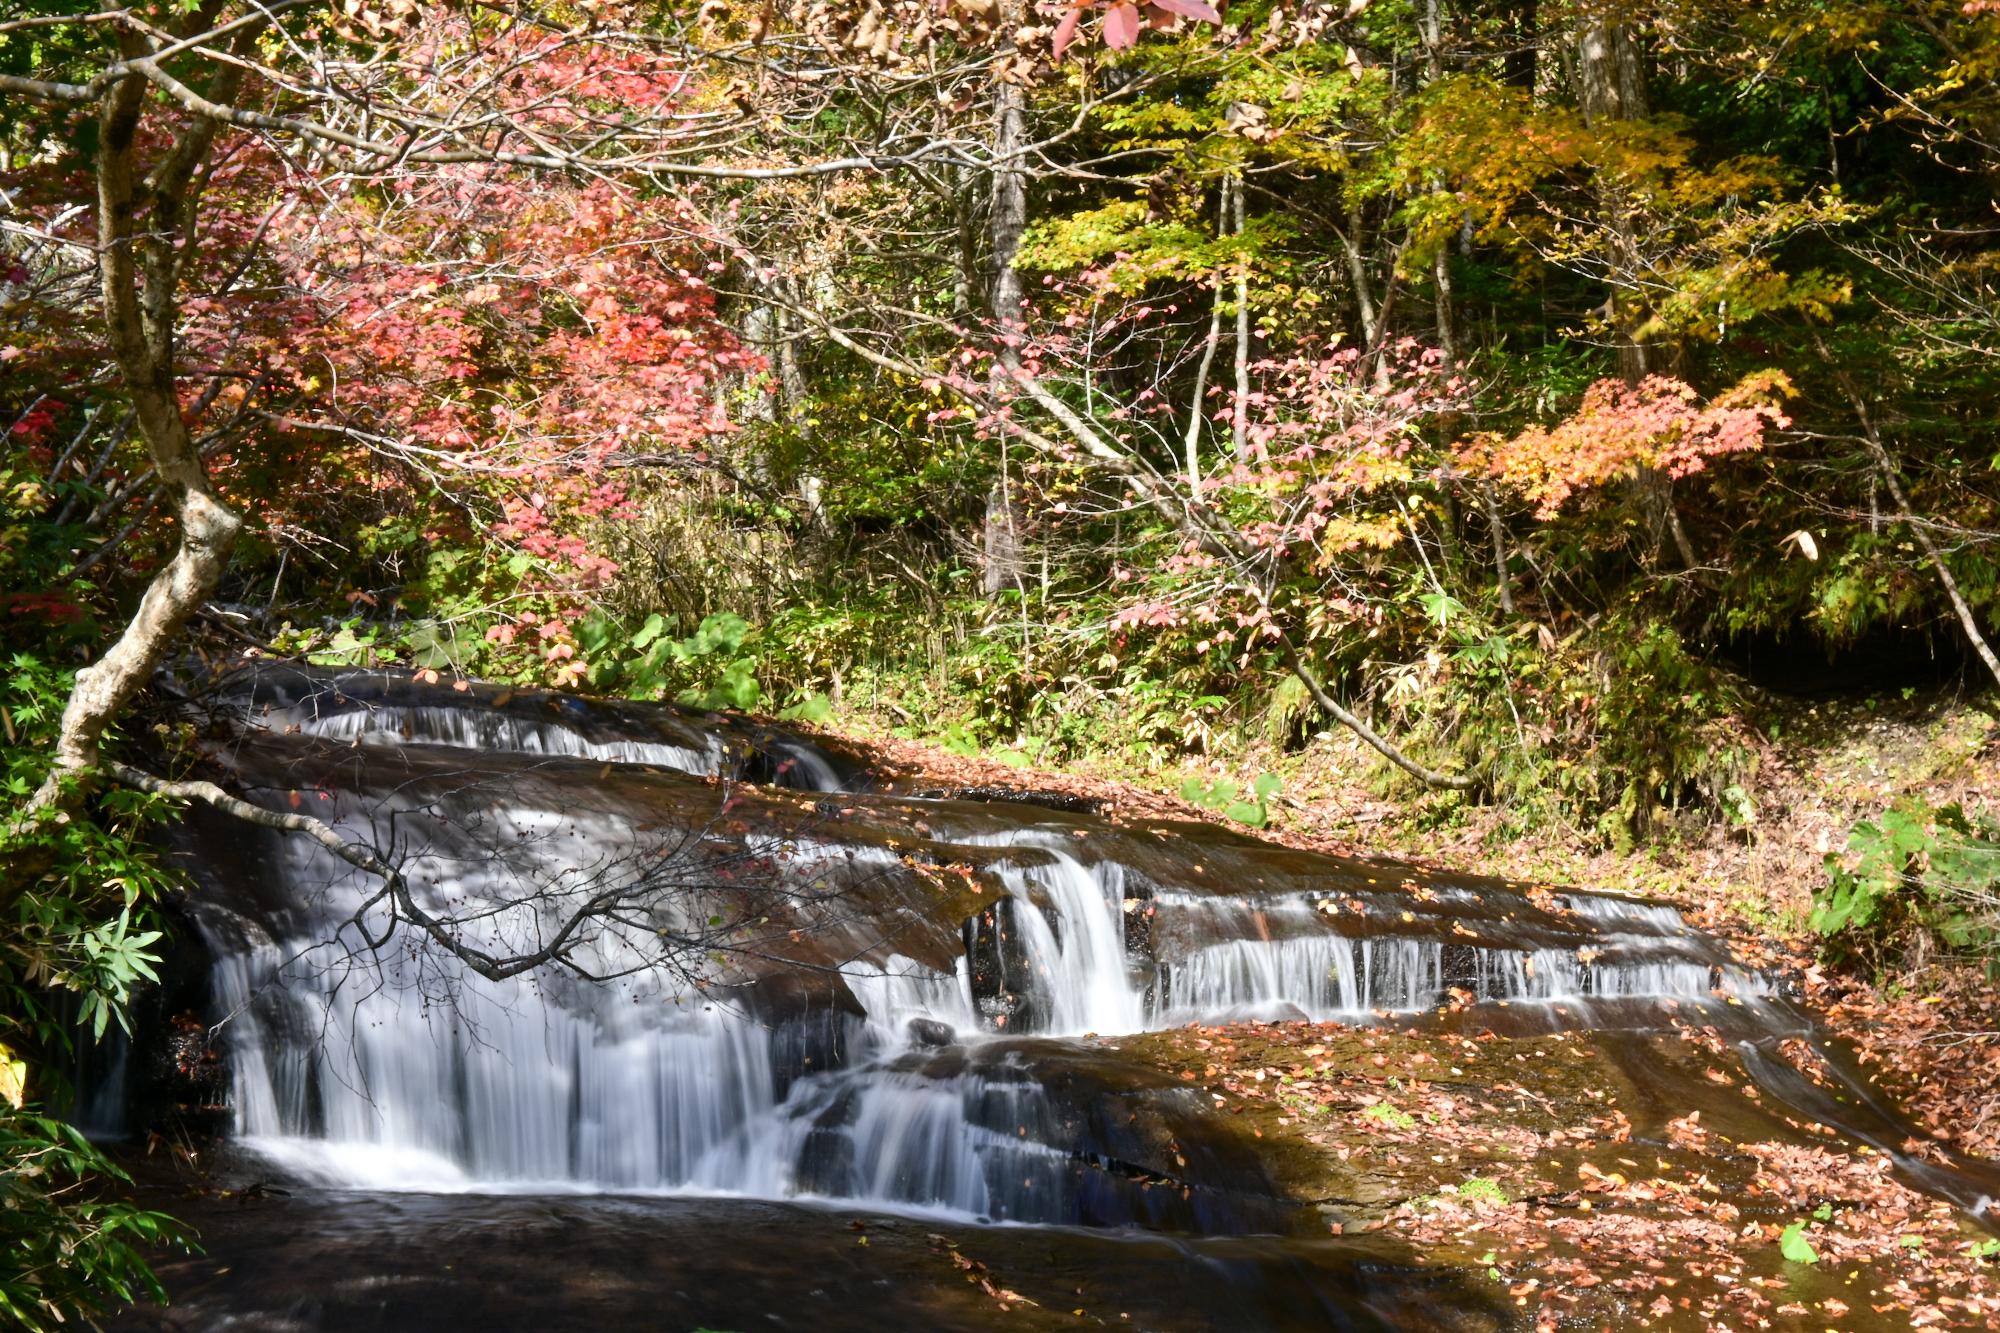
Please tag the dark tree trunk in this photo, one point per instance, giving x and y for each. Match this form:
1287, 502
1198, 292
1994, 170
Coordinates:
1520, 65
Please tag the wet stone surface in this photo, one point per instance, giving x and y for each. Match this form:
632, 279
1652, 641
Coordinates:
418, 1263
1600, 1180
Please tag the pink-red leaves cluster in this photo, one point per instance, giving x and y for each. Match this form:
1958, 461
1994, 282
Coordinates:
1123, 20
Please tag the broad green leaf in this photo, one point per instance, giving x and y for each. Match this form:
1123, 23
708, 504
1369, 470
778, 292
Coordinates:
1792, 1243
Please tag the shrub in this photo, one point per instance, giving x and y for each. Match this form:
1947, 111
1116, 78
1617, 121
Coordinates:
1914, 878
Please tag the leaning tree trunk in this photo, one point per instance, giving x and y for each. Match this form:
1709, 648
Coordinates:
1886, 471
138, 272
1188, 515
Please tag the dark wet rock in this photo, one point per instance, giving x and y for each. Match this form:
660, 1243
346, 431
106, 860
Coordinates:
1003, 989
1068, 802
929, 1032
314, 1263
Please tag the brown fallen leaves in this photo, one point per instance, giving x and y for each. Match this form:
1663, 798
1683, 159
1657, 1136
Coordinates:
1514, 1158
977, 1273
1932, 1038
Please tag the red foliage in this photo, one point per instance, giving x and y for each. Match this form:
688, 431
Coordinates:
1122, 20
476, 348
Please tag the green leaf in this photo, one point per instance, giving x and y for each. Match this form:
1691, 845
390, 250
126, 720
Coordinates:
814, 708
1792, 1243
655, 626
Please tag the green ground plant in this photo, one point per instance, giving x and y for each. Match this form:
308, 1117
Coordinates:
79, 892
1917, 878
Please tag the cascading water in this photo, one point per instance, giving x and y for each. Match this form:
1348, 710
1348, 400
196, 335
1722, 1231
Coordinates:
387, 711
1071, 923
475, 729
910, 1068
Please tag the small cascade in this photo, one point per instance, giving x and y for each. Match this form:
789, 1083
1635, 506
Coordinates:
475, 728
897, 1134
1288, 956
904, 1025
385, 710
1071, 922
1320, 977
1330, 977
901, 992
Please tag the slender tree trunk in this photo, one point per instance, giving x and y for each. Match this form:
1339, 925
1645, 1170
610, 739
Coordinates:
1612, 86
1357, 273
760, 331
965, 218
1885, 468
1960, 607
1009, 217
1009, 209
792, 389
1447, 326
1197, 401
1523, 29
1239, 413
782, 390
1502, 579
1446, 315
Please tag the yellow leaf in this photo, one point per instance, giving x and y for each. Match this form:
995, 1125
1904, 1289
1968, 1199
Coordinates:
13, 1078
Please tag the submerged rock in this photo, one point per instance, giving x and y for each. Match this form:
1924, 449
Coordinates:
929, 1032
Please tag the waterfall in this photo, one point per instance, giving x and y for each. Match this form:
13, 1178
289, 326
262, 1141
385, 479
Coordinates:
399, 1068
385, 711
1073, 925
1328, 977
901, 990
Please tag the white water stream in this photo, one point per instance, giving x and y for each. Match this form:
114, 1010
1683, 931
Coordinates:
405, 1071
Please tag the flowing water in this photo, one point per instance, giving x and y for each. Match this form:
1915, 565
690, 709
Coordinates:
882, 1002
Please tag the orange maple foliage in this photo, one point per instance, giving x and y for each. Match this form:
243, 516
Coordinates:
1620, 429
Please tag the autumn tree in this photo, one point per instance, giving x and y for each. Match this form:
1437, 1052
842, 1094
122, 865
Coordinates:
370, 123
